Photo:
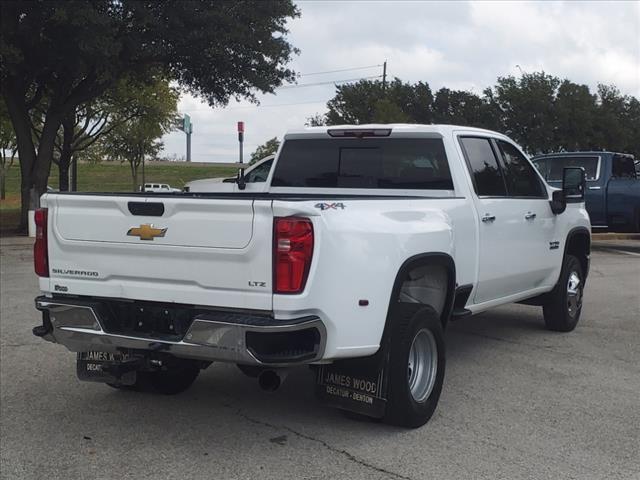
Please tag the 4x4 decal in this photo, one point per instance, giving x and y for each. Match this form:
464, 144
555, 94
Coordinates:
330, 206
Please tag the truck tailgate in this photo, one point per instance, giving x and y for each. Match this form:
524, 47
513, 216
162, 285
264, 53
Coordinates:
201, 251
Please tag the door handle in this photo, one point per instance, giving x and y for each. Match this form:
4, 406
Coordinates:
595, 188
530, 216
488, 218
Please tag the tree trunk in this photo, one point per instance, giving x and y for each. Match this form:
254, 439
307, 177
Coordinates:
42, 166
14, 98
144, 178
3, 173
134, 175
68, 125
74, 174
63, 172
3, 183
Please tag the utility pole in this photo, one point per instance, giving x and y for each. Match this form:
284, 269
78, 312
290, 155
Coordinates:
384, 76
241, 182
188, 147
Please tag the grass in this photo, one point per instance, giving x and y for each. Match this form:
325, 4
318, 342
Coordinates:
107, 177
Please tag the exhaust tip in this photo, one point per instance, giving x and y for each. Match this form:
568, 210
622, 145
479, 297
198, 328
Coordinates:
269, 380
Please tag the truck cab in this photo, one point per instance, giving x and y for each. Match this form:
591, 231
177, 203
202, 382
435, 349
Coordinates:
613, 185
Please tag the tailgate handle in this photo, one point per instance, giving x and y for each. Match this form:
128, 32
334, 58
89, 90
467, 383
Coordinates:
147, 209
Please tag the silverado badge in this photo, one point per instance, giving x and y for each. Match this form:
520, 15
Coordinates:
146, 231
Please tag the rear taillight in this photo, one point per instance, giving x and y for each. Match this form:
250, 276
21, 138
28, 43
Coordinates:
292, 252
40, 253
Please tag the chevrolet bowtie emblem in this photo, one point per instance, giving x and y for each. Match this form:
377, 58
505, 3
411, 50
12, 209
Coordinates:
146, 231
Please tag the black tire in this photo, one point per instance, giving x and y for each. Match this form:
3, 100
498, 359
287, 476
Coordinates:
171, 380
409, 322
564, 304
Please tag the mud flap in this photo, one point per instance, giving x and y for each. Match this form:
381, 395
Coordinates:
116, 368
357, 385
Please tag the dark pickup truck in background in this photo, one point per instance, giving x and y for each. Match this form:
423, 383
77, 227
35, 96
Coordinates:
613, 185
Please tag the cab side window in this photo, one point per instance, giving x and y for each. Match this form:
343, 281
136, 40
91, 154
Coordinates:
259, 174
623, 167
520, 176
483, 166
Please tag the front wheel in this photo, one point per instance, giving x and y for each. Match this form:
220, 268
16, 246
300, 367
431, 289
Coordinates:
564, 305
416, 365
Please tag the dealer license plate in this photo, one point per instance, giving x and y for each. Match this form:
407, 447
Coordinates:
106, 367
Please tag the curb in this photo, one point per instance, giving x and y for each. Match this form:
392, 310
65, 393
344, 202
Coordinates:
622, 246
615, 236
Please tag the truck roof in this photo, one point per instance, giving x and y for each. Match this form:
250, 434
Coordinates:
581, 153
396, 127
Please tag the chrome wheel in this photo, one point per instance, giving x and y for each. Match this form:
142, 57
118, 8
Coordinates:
574, 294
423, 365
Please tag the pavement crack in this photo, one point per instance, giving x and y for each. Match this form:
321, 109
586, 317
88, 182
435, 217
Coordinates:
349, 456
15, 345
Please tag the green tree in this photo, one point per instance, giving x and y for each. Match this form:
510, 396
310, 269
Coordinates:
458, 107
386, 110
317, 120
574, 111
525, 108
70, 52
614, 122
367, 101
136, 138
8, 148
541, 112
631, 120
268, 148
83, 127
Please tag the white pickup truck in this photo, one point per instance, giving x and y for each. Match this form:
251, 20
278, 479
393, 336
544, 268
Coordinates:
255, 180
368, 240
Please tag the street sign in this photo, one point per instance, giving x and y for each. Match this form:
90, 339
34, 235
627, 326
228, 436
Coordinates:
187, 127
185, 124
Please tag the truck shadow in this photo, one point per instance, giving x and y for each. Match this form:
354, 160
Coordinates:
226, 411
223, 398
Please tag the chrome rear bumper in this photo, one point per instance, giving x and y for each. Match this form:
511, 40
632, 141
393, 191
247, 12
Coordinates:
216, 336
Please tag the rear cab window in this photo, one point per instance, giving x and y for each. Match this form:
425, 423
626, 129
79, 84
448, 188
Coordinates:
380, 163
623, 166
551, 168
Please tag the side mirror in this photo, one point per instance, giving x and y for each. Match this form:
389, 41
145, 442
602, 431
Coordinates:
573, 183
558, 203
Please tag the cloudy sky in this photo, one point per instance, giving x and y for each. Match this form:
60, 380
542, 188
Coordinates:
461, 45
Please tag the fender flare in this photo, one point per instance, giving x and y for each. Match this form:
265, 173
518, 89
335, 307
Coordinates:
572, 233
431, 258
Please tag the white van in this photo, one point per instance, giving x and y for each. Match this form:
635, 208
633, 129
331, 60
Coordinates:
159, 188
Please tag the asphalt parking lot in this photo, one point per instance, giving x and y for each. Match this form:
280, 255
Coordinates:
518, 403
